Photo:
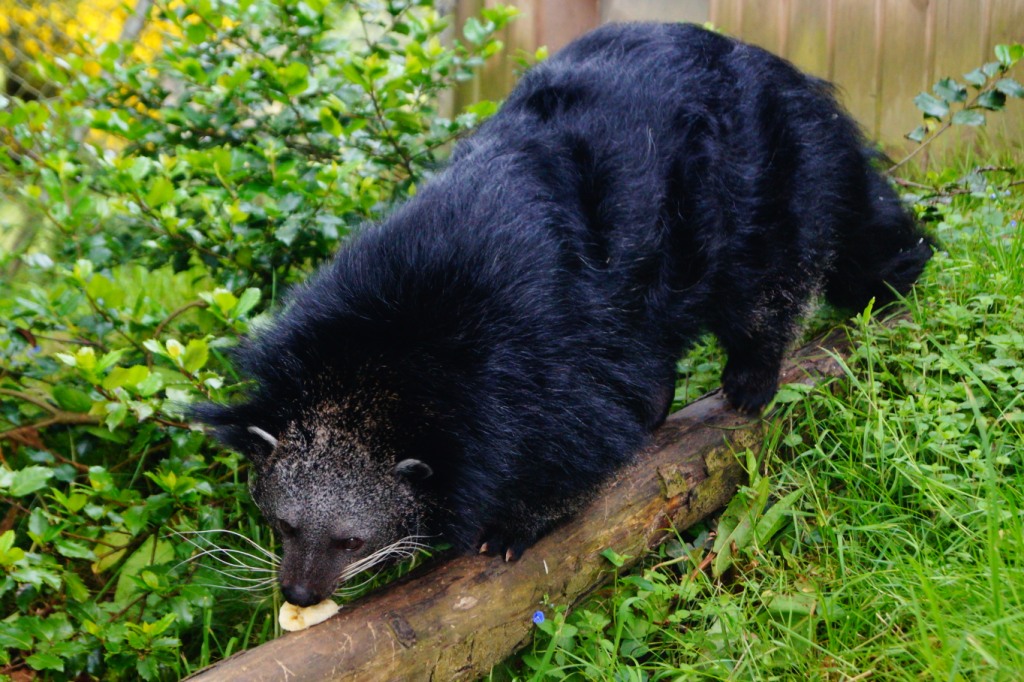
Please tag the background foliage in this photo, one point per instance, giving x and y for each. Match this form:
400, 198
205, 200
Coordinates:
170, 195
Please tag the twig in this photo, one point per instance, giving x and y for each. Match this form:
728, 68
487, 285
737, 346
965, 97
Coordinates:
175, 313
28, 398
57, 418
371, 91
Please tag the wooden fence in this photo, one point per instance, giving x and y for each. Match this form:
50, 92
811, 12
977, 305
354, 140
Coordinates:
881, 53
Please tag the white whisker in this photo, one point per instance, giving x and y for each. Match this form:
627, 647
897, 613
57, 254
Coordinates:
249, 589
241, 579
263, 550
223, 555
404, 548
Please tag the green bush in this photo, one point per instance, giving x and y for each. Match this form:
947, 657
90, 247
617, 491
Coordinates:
174, 199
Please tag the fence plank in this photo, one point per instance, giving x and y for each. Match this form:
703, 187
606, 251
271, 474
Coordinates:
807, 36
907, 66
855, 59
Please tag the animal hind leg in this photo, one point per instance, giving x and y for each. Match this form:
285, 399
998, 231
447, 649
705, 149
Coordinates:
756, 335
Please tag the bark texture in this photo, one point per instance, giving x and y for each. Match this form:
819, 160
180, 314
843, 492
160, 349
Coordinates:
456, 619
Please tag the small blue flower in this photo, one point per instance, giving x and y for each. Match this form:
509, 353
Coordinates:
1013, 223
992, 196
538, 617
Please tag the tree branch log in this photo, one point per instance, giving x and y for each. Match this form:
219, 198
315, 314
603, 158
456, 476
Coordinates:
457, 619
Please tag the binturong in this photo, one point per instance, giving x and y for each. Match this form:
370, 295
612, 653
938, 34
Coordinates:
477, 364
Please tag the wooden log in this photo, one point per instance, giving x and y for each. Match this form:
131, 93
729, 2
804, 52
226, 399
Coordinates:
455, 620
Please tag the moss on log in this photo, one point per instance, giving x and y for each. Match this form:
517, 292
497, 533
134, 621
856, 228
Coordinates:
457, 619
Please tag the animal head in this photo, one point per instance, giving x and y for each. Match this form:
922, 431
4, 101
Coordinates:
339, 504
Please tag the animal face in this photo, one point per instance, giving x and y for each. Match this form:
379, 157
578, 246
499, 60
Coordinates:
338, 510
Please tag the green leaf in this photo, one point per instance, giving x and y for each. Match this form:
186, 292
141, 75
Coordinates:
917, 134
931, 105
729, 518
993, 100
969, 117
148, 668
39, 528
116, 412
246, 302
150, 385
160, 192
775, 518
9, 554
1010, 88
977, 78
788, 394
197, 352
71, 399
125, 376
106, 555
990, 69
30, 479
742, 534
45, 661
146, 555
76, 587
483, 109
330, 123
294, 78
1008, 55
950, 91
73, 549
106, 362
614, 557
197, 32
477, 32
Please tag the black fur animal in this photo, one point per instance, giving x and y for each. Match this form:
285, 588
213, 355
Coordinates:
479, 362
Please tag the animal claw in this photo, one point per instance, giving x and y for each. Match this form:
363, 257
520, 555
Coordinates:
484, 548
510, 555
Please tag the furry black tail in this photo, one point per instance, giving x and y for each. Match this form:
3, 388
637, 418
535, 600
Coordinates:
879, 255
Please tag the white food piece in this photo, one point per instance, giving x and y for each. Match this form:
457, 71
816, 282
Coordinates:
294, 617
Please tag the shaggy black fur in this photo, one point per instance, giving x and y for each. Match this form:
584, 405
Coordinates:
516, 325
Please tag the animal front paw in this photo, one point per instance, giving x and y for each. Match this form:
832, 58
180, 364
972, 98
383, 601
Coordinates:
750, 387
497, 544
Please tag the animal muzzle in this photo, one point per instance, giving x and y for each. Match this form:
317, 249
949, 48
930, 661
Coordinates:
300, 594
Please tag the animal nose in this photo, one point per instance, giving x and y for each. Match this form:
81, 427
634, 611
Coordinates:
300, 595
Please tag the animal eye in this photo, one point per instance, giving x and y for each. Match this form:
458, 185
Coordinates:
349, 544
287, 528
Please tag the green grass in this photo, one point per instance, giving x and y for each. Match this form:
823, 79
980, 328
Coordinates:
903, 556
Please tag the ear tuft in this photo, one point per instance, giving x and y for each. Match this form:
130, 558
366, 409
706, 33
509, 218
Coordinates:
257, 431
413, 469
228, 424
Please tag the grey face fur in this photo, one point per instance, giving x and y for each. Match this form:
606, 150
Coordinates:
337, 507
